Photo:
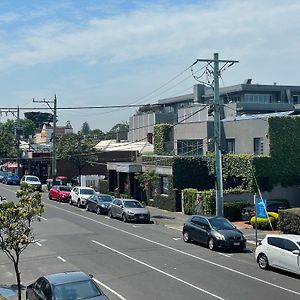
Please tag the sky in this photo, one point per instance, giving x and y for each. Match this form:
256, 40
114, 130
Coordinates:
122, 52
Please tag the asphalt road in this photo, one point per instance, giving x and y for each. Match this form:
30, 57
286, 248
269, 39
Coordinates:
140, 261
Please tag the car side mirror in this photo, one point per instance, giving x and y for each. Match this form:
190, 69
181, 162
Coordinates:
296, 252
121, 205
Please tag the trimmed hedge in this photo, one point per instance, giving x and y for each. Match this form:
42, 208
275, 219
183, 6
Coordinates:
289, 221
189, 200
263, 223
103, 186
233, 209
163, 202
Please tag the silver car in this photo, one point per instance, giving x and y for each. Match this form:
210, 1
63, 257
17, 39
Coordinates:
128, 210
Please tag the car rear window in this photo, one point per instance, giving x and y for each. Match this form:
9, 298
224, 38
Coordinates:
133, 204
32, 178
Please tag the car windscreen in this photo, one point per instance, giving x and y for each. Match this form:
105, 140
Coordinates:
133, 204
65, 188
76, 290
220, 224
105, 198
86, 192
32, 178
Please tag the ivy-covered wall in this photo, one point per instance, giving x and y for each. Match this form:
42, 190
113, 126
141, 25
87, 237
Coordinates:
162, 134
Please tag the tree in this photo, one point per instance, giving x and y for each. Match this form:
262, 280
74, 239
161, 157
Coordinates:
28, 127
118, 128
76, 148
16, 233
7, 140
146, 180
85, 129
39, 118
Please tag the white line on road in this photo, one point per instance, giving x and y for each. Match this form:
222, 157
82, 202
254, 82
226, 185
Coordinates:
62, 259
227, 255
160, 271
43, 218
108, 288
180, 251
176, 239
39, 244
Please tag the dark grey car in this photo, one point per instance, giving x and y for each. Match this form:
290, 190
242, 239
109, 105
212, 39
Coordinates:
99, 203
128, 210
65, 286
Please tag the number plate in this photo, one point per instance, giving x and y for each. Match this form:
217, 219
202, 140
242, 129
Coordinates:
236, 244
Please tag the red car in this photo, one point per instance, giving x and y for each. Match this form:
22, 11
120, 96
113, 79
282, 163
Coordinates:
60, 193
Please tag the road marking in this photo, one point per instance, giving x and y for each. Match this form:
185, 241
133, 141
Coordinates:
227, 255
158, 270
173, 227
136, 226
176, 239
62, 259
179, 251
110, 289
39, 244
44, 218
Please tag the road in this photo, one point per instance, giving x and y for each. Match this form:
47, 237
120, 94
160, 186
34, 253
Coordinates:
141, 261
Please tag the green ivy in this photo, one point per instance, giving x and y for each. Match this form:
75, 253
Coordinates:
161, 136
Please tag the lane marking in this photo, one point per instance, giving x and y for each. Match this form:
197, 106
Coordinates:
180, 251
108, 288
44, 218
39, 244
159, 271
227, 255
176, 239
62, 259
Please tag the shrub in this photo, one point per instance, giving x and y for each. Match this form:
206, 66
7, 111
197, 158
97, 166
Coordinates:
289, 221
263, 223
189, 200
233, 209
164, 202
103, 186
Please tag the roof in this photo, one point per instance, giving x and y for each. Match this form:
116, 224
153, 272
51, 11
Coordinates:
65, 277
113, 145
257, 116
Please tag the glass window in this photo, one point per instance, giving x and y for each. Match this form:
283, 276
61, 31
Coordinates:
295, 99
258, 145
258, 98
276, 242
230, 145
164, 185
289, 245
190, 147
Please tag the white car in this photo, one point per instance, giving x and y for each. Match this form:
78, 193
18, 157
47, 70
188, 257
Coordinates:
32, 180
79, 195
281, 251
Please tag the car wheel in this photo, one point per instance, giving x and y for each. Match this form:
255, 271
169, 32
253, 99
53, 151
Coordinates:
50, 198
98, 211
87, 208
124, 218
70, 201
211, 244
262, 261
78, 203
186, 236
109, 213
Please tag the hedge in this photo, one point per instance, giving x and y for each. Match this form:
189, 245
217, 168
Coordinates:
103, 186
233, 209
163, 202
289, 221
263, 223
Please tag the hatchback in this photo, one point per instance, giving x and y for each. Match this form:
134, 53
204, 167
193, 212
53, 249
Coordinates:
128, 210
99, 203
215, 232
65, 286
281, 251
11, 178
80, 194
60, 193
33, 181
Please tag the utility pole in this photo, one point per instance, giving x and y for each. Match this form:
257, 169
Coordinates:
54, 110
18, 131
217, 128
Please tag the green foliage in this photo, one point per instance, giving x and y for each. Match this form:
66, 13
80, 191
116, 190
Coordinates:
39, 118
289, 221
28, 127
7, 143
191, 172
120, 127
103, 186
189, 200
146, 180
85, 129
161, 137
164, 202
263, 223
161, 160
233, 209
76, 148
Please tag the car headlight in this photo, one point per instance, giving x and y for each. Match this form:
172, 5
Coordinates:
130, 212
220, 236
102, 205
243, 237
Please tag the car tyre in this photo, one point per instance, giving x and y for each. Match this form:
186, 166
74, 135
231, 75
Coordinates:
186, 236
98, 210
70, 201
109, 213
78, 203
211, 244
262, 261
87, 207
50, 198
124, 218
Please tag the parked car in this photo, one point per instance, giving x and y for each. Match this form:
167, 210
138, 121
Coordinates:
215, 232
11, 178
60, 193
31, 180
281, 251
271, 206
2, 199
128, 210
80, 194
2, 174
66, 285
99, 203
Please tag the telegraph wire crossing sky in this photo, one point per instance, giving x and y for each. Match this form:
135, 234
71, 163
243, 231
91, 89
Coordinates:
122, 52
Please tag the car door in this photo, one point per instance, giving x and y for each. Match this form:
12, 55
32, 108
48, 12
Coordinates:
273, 251
75, 195
92, 202
119, 208
114, 206
288, 260
36, 292
55, 192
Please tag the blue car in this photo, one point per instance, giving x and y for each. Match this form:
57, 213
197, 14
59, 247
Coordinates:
11, 179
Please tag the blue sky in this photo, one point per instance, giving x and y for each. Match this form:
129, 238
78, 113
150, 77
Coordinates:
94, 52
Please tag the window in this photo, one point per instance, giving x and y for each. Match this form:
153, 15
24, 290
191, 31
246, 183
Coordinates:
289, 245
276, 242
164, 185
258, 145
295, 99
230, 145
190, 147
258, 98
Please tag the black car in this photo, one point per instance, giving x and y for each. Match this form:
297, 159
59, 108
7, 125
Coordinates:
271, 206
215, 232
99, 203
66, 285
